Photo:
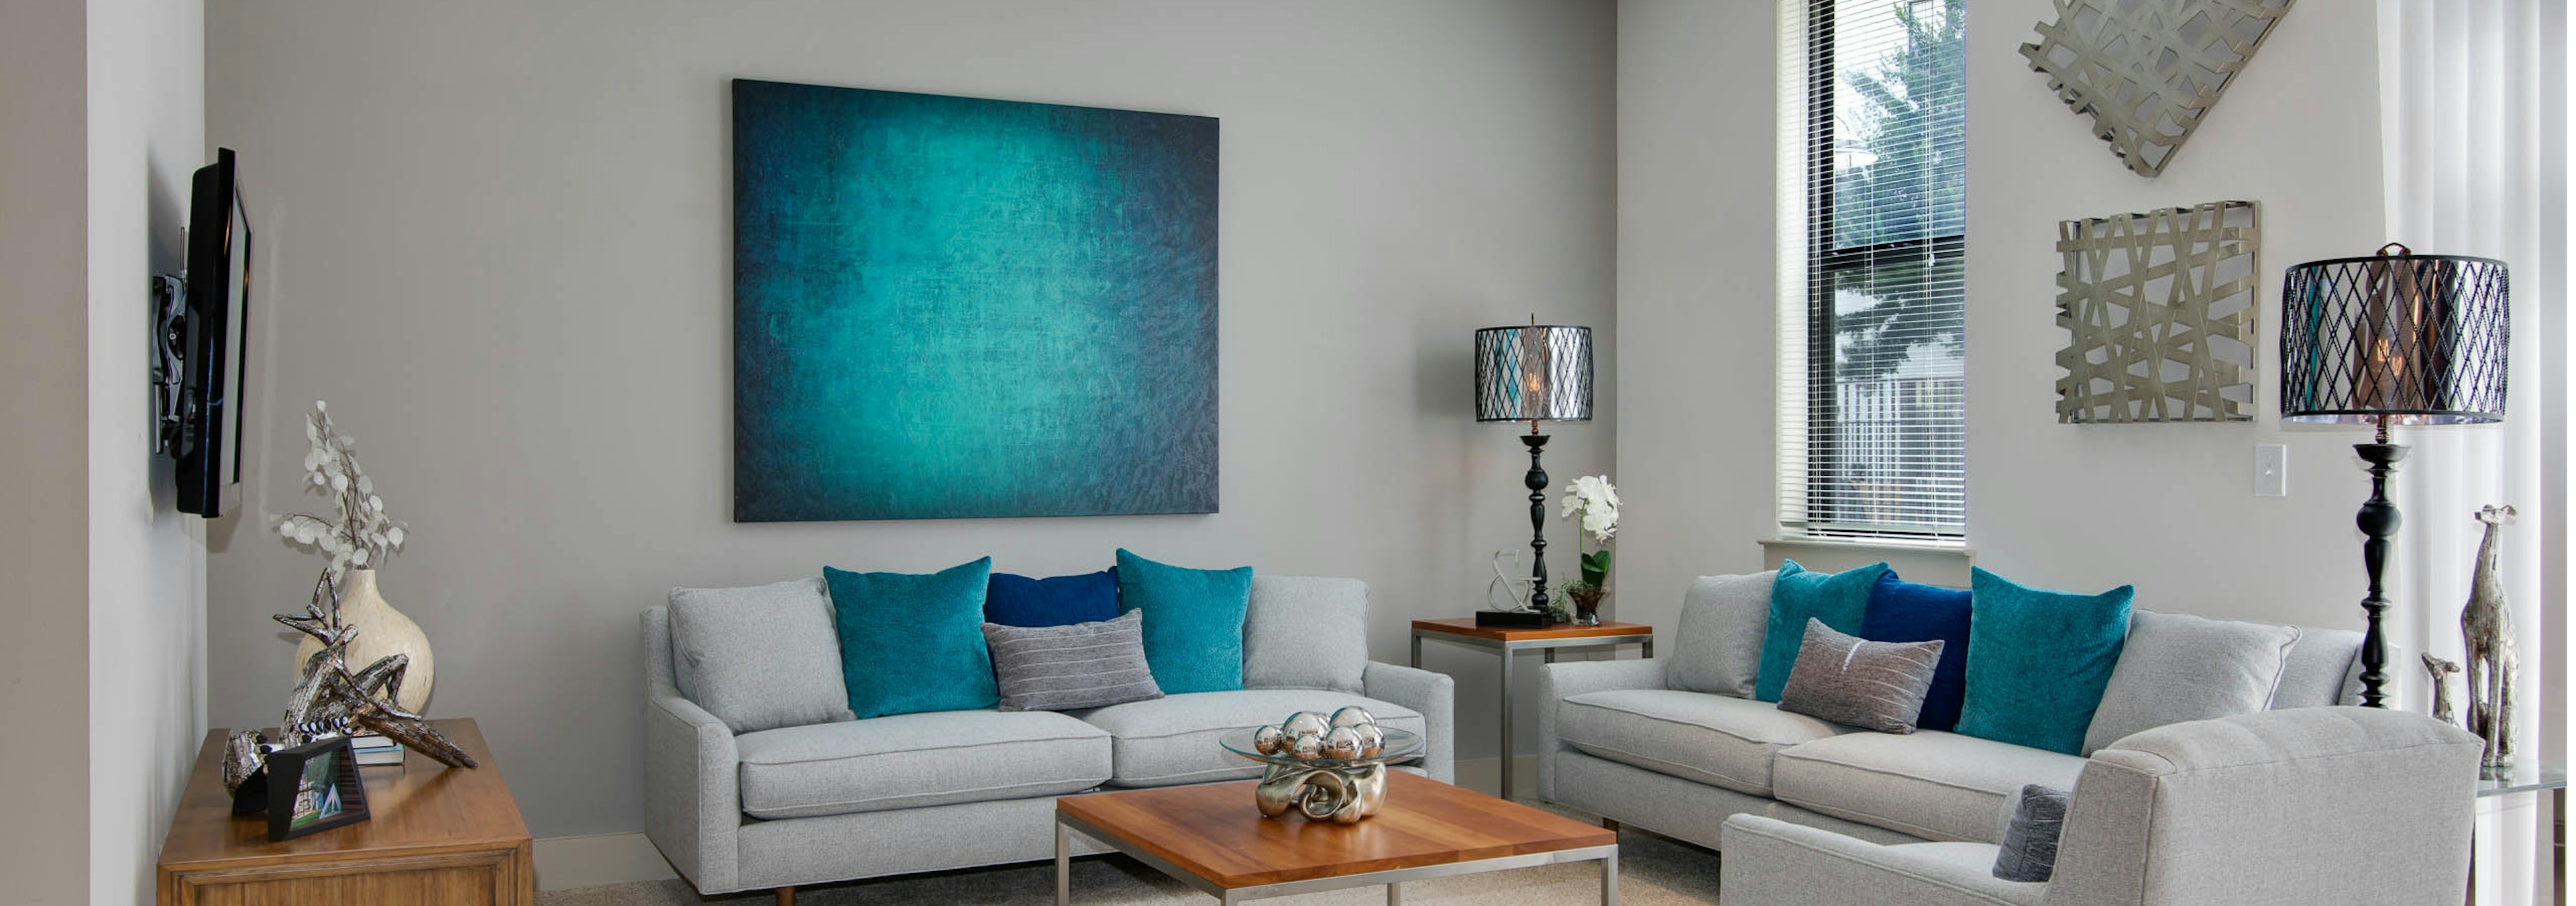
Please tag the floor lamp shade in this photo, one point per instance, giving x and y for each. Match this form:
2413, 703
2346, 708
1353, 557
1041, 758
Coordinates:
2406, 339
1540, 373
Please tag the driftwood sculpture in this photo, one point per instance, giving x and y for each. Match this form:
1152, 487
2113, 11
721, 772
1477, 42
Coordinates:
2441, 668
329, 695
2487, 626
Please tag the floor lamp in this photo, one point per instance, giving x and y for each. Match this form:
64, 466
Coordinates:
2393, 338
1538, 373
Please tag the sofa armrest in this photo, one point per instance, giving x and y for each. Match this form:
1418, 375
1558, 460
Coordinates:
1774, 863
1557, 682
692, 807
1432, 694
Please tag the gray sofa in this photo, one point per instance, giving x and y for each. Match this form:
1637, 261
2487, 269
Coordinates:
1623, 740
2313, 805
926, 792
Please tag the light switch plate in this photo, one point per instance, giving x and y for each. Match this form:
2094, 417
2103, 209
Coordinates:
2271, 470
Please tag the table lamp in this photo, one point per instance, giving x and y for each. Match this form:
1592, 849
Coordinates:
1538, 373
2393, 338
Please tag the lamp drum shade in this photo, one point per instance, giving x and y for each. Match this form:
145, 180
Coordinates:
2409, 339
1539, 373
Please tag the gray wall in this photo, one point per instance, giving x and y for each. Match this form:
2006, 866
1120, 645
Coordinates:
43, 455
495, 236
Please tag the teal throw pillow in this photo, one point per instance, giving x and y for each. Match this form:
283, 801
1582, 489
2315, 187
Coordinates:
2038, 661
912, 643
1193, 621
1838, 600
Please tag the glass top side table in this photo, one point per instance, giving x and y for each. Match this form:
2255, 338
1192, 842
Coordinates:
1510, 640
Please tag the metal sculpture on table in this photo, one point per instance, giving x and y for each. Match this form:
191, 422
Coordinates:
1341, 785
2487, 626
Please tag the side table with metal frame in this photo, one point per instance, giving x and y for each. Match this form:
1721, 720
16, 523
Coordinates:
1510, 640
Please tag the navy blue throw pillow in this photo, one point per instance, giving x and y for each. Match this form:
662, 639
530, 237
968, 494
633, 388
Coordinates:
1057, 601
1901, 611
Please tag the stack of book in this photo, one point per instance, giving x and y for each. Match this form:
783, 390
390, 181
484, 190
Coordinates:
373, 749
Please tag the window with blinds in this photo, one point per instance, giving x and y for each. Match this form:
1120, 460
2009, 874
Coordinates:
1873, 415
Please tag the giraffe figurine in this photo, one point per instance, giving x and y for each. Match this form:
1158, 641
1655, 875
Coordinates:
2487, 627
2441, 668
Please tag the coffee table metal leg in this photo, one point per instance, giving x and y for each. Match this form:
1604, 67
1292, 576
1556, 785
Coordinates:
1063, 868
1610, 879
1395, 893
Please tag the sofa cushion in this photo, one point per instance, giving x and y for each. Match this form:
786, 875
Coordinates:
1857, 682
1014, 600
1717, 647
1193, 621
1718, 740
1305, 633
1934, 785
1173, 739
759, 658
2037, 661
2176, 667
1798, 594
913, 643
2324, 668
1901, 611
1062, 668
917, 760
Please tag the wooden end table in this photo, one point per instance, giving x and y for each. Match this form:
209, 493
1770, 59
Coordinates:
1211, 837
1509, 640
435, 834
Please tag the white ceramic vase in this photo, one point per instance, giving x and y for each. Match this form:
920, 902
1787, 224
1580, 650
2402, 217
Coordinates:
382, 630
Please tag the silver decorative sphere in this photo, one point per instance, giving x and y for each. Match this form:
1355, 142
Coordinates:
1343, 742
1372, 740
1304, 723
1307, 746
1268, 740
1352, 716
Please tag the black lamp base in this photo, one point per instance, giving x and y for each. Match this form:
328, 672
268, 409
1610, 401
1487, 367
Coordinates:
1536, 481
2378, 521
1512, 619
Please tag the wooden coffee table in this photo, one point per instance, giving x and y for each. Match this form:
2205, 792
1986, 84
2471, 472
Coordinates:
1212, 838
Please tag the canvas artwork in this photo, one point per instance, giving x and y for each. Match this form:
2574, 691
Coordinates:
2159, 312
2148, 71
953, 307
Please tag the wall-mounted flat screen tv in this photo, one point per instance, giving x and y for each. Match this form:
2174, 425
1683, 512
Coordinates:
213, 343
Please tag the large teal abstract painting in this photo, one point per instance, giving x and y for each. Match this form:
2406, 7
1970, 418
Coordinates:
952, 307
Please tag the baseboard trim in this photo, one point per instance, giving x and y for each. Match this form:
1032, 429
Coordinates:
590, 860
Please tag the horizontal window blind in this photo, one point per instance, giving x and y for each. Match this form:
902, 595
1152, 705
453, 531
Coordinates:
1873, 433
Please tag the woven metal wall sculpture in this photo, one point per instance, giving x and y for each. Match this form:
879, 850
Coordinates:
2160, 307
2149, 70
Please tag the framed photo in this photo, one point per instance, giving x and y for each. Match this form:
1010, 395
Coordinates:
314, 787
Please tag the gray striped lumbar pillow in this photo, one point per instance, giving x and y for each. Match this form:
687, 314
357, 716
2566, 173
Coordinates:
1060, 668
1870, 685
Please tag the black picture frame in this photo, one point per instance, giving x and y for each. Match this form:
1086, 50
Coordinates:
314, 787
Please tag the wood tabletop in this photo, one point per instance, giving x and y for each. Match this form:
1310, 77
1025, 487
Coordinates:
1213, 831
1466, 626
418, 808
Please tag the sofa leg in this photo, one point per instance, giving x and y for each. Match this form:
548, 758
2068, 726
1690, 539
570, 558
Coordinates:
787, 896
1611, 824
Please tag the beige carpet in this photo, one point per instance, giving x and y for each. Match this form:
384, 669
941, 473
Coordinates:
1653, 871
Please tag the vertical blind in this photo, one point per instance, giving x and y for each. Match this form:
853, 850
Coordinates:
1873, 418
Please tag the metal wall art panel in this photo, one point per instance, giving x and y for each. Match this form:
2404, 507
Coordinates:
2160, 308
2149, 70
